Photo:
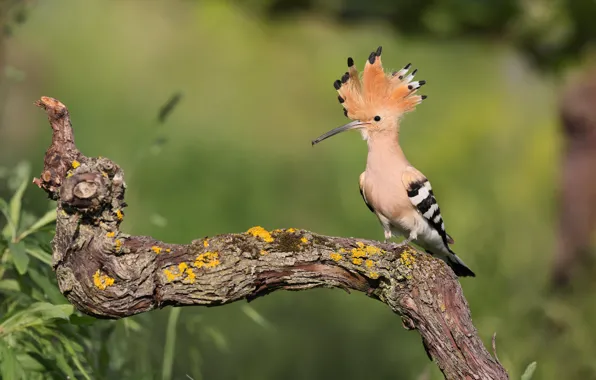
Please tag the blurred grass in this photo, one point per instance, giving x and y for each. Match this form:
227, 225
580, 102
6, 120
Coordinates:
238, 154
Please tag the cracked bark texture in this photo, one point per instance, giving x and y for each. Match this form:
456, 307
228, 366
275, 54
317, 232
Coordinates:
108, 274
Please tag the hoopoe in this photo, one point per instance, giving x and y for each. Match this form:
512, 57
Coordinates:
399, 194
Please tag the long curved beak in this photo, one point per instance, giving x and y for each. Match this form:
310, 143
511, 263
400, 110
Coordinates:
335, 131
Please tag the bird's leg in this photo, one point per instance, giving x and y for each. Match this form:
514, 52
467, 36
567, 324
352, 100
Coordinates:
387, 235
408, 240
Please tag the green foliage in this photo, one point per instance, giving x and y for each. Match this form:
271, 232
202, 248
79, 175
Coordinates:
549, 32
529, 372
36, 338
168, 355
41, 335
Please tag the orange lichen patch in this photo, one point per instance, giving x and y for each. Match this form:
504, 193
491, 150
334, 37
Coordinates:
119, 214
118, 243
341, 250
168, 250
171, 275
442, 307
75, 164
206, 243
304, 240
373, 275
259, 231
207, 260
190, 276
69, 174
372, 250
369, 263
104, 174
365, 250
357, 261
406, 259
291, 230
263, 252
110, 234
156, 249
358, 252
102, 281
335, 256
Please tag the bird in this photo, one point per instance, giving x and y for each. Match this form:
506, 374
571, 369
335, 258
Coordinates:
395, 191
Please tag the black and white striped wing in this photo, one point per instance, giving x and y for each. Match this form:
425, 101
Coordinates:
421, 195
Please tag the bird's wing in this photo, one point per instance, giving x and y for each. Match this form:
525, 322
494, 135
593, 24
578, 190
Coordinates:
361, 184
422, 198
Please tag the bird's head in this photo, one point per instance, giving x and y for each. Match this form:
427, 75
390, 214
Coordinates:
376, 101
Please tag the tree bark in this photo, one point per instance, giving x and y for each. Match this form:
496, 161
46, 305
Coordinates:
577, 184
108, 274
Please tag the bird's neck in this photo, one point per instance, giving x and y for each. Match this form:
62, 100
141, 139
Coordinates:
384, 152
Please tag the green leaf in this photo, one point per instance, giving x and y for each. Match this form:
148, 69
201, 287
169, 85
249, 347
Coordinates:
50, 290
9, 226
169, 348
35, 315
256, 316
218, 338
74, 356
63, 365
48, 218
529, 372
29, 363
9, 286
16, 201
39, 254
19, 256
131, 325
10, 368
48, 311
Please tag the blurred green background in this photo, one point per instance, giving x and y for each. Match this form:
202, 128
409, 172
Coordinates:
256, 79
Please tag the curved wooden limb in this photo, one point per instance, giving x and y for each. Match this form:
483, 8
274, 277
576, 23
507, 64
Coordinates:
109, 274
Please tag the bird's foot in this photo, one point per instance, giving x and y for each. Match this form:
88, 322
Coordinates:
403, 243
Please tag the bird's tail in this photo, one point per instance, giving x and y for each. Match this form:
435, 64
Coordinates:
458, 266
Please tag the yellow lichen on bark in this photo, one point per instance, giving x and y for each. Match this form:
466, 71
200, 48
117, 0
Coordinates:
171, 275
207, 260
260, 232
406, 259
102, 281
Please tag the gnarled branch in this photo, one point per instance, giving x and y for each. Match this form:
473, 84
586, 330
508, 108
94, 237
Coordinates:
108, 274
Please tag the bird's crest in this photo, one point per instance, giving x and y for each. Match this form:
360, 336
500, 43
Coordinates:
363, 96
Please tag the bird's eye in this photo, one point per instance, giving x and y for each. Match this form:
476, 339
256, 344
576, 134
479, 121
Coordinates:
377, 118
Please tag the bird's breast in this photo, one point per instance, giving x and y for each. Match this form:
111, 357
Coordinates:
387, 195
